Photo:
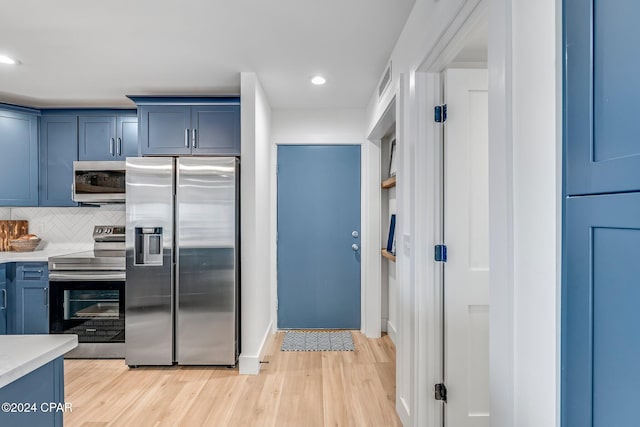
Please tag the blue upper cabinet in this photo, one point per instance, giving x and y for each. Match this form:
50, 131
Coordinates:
189, 126
601, 85
58, 150
18, 158
97, 138
126, 137
107, 137
165, 129
216, 130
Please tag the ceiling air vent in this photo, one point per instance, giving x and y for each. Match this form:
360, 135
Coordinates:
384, 82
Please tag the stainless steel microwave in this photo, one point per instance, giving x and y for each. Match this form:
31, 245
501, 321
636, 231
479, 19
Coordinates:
99, 182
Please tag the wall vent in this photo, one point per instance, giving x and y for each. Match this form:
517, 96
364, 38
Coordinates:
384, 82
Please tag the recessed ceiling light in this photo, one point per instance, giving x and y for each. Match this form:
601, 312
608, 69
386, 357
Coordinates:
318, 80
7, 60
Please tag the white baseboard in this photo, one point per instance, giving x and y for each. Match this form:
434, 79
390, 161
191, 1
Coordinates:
403, 411
383, 324
250, 364
391, 330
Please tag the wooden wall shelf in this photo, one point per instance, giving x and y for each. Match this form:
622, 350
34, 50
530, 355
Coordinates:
388, 255
388, 183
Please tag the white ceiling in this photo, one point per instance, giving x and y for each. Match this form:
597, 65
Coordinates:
93, 53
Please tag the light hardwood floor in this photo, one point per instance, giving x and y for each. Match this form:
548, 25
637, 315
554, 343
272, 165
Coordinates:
296, 389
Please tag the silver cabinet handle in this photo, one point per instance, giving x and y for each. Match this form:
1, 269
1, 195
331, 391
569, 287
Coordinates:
46, 297
194, 138
355, 247
119, 146
4, 298
112, 145
186, 137
355, 234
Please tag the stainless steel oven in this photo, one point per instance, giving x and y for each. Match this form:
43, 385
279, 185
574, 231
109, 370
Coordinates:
92, 309
87, 296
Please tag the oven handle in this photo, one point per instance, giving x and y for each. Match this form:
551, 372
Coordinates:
77, 277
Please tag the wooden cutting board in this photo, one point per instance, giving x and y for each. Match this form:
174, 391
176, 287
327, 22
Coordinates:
11, 229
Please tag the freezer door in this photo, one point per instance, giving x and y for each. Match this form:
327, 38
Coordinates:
206, 269
149, 237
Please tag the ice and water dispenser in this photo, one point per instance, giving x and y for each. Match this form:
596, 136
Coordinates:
148, 245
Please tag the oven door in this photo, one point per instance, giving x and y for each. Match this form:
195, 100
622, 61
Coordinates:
93, 310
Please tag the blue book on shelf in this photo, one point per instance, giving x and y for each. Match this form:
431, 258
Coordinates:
392, 231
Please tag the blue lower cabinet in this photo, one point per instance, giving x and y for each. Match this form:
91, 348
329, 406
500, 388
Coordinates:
35, 400
3, 299
29, 299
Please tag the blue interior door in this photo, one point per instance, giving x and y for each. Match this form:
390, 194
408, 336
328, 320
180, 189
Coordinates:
601, 229
601, 343
319, 237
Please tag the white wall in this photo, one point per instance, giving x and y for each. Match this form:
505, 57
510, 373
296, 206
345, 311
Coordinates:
525, 207
255, 223
318, 126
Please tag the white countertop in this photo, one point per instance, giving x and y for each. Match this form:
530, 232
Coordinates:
44, 251
22, 354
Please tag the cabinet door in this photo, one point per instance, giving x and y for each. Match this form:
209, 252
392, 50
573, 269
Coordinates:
43, 386
58, 150
601, 85
18, 159
97, 139
3, 300
127, 138
217, 130
32, 298
165, 129
600, 294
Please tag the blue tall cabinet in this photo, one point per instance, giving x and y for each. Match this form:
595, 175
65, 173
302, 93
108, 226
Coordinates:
19, 157
601, 238
4, 299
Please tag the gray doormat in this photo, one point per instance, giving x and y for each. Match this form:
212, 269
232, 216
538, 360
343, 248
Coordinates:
317, 341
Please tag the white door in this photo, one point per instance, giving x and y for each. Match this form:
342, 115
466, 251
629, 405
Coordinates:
466, 234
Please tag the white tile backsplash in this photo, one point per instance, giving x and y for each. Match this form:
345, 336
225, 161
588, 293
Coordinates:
68, 225
5, 213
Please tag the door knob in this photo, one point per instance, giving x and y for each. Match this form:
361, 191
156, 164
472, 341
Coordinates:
355, 234
355, 247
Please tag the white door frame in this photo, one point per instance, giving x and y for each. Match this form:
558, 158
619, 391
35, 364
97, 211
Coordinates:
428, 205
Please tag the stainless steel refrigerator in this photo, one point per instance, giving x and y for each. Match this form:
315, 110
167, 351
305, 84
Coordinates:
181, 293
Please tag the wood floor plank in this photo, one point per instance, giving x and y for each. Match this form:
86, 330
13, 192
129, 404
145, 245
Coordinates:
296, 389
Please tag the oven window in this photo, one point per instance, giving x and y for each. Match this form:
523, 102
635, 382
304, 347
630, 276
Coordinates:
100, 182
92, 310
92, 304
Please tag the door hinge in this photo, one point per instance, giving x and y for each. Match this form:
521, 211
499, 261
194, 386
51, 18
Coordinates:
441, 253
441, 392
440, 113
